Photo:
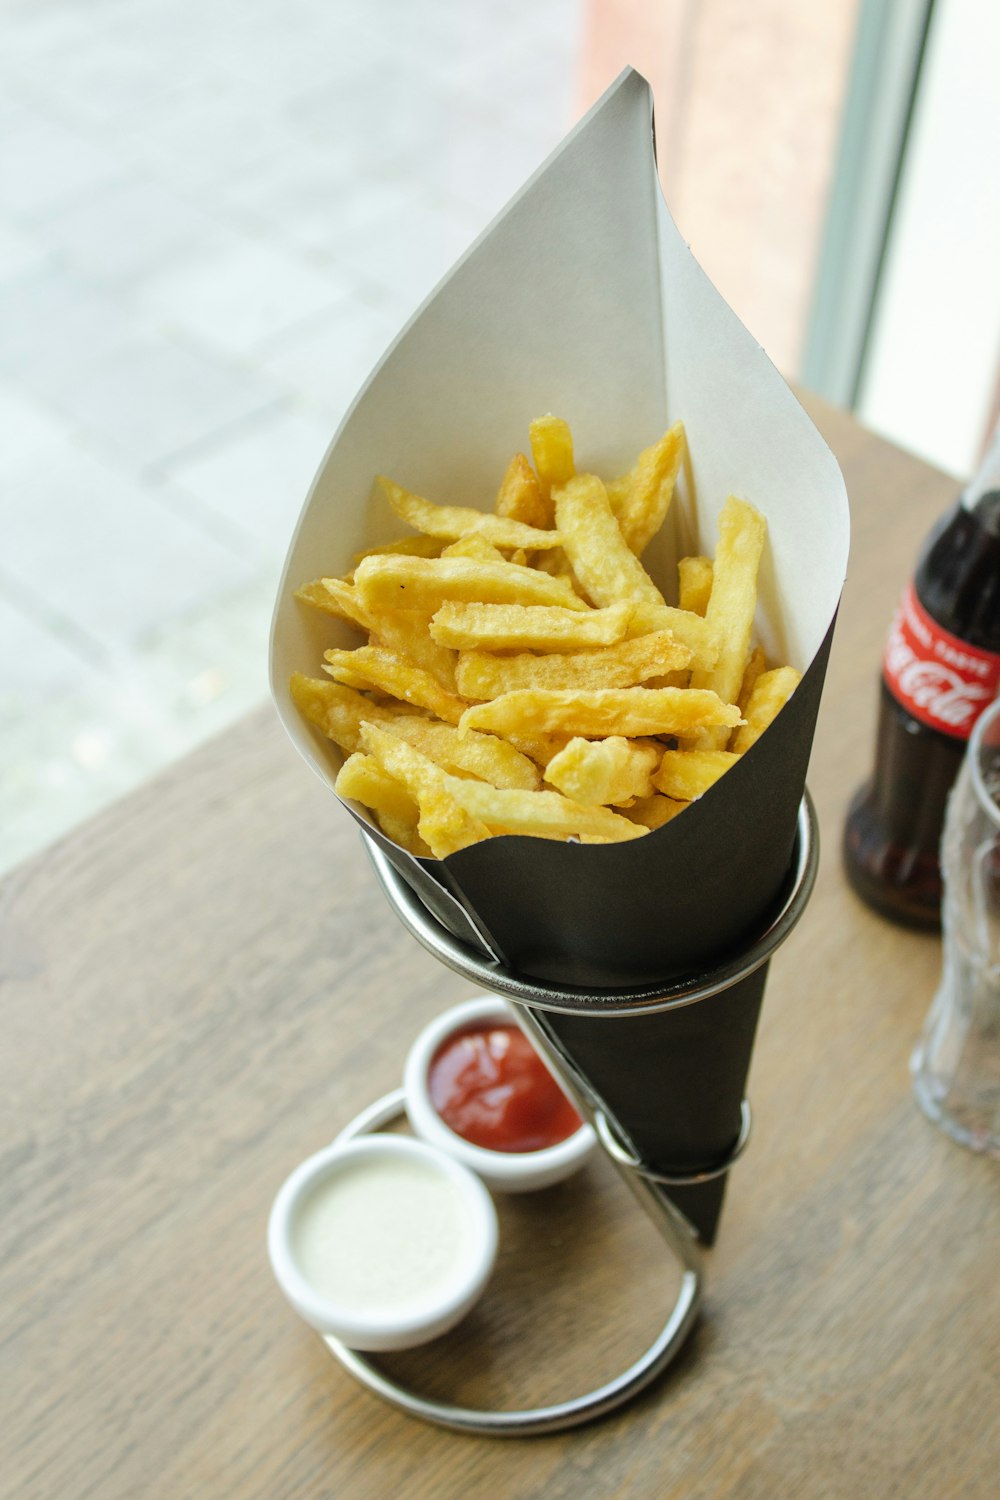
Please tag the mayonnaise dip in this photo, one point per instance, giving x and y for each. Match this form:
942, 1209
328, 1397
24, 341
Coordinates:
382, 1233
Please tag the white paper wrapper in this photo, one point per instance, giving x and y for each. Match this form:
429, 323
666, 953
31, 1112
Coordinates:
582, 299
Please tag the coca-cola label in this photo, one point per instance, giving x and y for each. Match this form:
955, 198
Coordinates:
938, 678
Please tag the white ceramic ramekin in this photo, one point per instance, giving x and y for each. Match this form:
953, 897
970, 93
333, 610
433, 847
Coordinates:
429, 1313
504, 1171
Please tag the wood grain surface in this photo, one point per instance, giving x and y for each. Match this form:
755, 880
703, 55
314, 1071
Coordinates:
201, 986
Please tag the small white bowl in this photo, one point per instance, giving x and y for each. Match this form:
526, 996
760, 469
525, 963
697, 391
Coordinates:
390, 1280
503, 1171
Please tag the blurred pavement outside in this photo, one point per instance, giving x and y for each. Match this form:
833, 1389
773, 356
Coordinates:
213, 219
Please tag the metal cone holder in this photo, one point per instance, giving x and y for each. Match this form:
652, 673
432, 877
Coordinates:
536, 1000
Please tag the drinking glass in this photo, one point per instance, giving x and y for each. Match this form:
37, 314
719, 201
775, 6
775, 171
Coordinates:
956, 1064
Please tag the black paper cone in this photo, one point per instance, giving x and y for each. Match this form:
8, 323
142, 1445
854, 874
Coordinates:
582, 299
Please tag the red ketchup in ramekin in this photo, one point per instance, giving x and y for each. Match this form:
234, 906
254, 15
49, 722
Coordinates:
491, 1088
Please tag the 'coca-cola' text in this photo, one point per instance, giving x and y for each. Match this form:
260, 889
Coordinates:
941, 680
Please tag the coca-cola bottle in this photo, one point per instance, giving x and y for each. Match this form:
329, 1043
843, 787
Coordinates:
940, 670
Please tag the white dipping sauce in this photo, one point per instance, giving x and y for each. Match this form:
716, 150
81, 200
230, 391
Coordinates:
382, 1233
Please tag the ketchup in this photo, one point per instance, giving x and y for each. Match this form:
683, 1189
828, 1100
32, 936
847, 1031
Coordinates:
490, 1087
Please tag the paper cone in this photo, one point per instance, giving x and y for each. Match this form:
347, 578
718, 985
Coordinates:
582, 299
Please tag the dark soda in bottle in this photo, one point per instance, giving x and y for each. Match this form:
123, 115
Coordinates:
940, 670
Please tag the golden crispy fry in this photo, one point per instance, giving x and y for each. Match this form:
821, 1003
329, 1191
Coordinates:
476, 546
407, 633
641, 498
405, 835
547, 814
535, 627
609, 572
770, 693
695, 578
597, 551
688, 628
362, 778
480, 674
653, 812
756, 663
686, 774
603, 772
539, 748
445, 825
404, 631
471, 754
732, 602
387, 672
453, 521
334, 596
425, 583
404, 546
555, 563
519, 497
558, 624
335, 709
552, 450
625, 711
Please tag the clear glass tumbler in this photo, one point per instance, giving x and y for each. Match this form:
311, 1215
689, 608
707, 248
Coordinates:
956, 1064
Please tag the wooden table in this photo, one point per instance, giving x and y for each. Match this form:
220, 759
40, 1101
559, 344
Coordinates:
203, 984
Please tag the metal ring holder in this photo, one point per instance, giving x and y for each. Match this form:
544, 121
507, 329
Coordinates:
648, 1186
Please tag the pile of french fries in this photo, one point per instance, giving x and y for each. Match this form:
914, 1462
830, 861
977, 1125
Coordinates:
529, 645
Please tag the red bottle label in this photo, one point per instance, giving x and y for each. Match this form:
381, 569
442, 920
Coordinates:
938, 678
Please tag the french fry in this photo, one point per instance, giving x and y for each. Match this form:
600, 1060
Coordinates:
395, 675
532, 627
335, 709
334, 596
687, 774
733, 601
450, 522
604, 772
545, 814
471, 754
407, 633
404, 546
405, 835
552, 450
445, 825
362, 778
652, 812
474, 545
540, 748
597, 551
480, 674
610, 572
695, 580
426, 583
532, 642
625, 711
402, 630
520, 498
756, 663
640, 499
770, 693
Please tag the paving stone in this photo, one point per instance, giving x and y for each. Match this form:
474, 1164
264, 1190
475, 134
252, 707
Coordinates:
156, 397
44, 164
239, 296
128, 229
327, 359
213, 221
55, 326
37, 660
103, 557
406, 254
258, 479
